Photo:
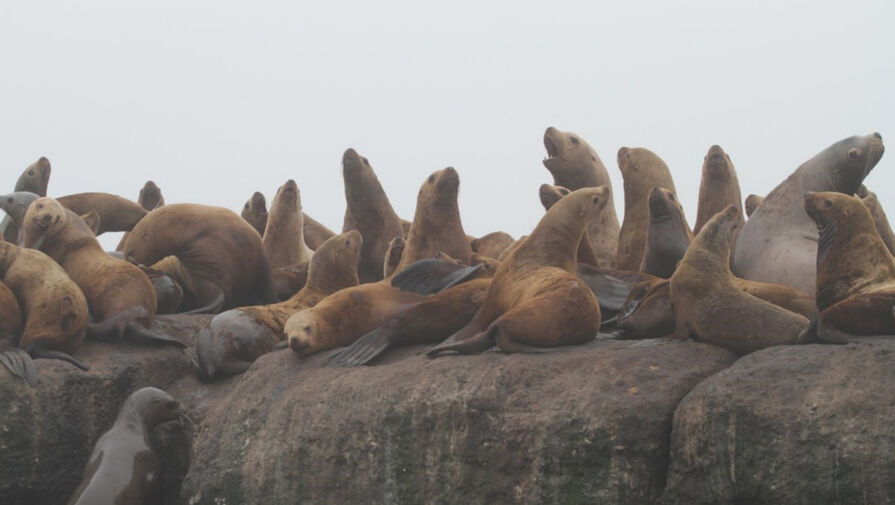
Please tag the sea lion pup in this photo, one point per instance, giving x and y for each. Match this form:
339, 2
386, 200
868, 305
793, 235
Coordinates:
116, 213
284, 236
236, 338
150, 198
393, 256
221, 253
879, 217
436, 223
752, 203
574, 165
667, 235
53, 307
255, 212
315, 233
119, 295
779, 241
855, 272
369, 212
35, 178
536, 298
719, 187
15, 205
124, 466
642, 170
708, 304
492, 244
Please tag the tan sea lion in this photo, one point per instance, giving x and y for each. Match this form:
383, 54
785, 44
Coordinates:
855, 271
116, 213
436, 222
393, 256
752, 203
549, 196
369, 212
536, 298
284, 239
709, 306
119, 295
35, 178
779, 241
287, 281
719, 187
667, 235
642, 170
574, 164
236, 338
150, 198
492, 244
255, 212
221, 252
10, 329
53, 307
124, 467
315, 233
879, 217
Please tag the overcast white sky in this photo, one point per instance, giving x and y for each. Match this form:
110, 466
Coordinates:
216, 99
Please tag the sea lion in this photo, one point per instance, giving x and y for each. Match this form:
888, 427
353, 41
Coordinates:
287, 281
492, 244
236, 338
119, 295
752, 203
879, 217
35, 178
855, 271
779, 241
536, 298
708, 304
15, 205
315, 233
124, 466
53, 307
150, 198
168, 293
369, 212
255, 212
436, 223
719, 187
642, 170
667, 235
393, 256
219, 250
574, 164
10, 328
549, 196
284, 240
116, 213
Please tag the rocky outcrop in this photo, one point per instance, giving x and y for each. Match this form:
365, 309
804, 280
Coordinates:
789, 425
47, 432
587, 424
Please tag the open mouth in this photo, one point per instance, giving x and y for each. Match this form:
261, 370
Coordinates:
552, 150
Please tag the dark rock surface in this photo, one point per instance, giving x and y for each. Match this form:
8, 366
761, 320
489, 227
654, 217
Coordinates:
47, 432
789, 425
588, 424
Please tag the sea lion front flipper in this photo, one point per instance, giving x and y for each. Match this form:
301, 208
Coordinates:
460, 276
20, 364
611, 290
137, 332
365, 348
428, 276
37, 351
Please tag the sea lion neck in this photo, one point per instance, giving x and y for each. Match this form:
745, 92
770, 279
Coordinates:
716, 236
555, 240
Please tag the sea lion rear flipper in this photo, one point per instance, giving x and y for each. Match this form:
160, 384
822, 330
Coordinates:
429, 276
479, 343
365, 348
20, 364
212, 307
460, 276
508, 345
137, 332
37, 351
609, 323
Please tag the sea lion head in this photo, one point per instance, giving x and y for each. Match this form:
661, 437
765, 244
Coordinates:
854, 158
255, 211
717, 164
566, 152
45, 219
717, 233
153, 406
828, 208
302, 333
151, 196
289, 194
440, 189
551, 194
663, 205
15, 204
634, 160
334, 264
752, 203
35, 178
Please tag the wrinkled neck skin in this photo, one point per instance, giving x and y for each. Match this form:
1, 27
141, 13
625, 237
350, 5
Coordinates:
838, 273
74, 236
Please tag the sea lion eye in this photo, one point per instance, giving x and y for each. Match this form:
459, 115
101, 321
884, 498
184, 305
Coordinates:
307, 329
593, 158
564, 191
366, 162
40, 206
828, 203
671, 196
431, 178
573, 140
596, 199
852, 153
31, 172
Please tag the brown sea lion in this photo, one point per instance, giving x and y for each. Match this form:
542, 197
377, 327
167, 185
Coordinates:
236, 338
116, 213
667, 235
709, 306
492, 244
119, 295
879, 217
315, 233
222, 254
549, 196
150, 198
855, 271
536, 298
393, 256
15, 205
752, 203
288, 280
168, 293
284, 237
574, 165
255, 212
124, 466
35, 178
719, 187
10, 329
642, 170
779, 241
436, 222
369, 212
53, 307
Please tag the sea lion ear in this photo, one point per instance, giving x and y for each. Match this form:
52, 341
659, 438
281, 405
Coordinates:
92, 220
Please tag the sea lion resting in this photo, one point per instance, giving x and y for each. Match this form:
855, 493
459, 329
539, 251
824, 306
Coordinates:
119, 295
115, 213
236, 338
536, 298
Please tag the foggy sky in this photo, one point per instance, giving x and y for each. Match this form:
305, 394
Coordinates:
214, 99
